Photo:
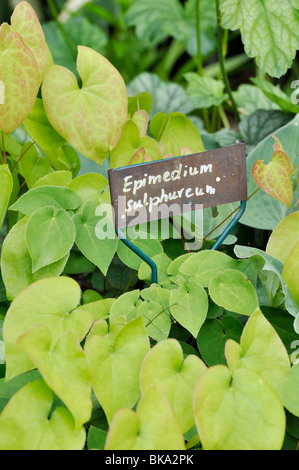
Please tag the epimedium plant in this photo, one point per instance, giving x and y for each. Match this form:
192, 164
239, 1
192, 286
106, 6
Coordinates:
156, 366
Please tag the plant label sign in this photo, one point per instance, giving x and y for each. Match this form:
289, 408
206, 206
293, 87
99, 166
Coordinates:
154, 190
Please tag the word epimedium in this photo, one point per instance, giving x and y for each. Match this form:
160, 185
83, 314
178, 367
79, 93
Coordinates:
163, 195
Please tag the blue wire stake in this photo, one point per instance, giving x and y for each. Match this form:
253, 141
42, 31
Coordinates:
230, 226
141, 255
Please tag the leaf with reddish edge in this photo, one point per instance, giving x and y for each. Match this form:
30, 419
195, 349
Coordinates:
90, 118
278, 145
275, 178
139, 157
141, 120
25, 22
21, 77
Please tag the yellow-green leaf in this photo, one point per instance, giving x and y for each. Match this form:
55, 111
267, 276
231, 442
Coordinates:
90, 118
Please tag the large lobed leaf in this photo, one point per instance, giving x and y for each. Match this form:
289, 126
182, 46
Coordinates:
269, 31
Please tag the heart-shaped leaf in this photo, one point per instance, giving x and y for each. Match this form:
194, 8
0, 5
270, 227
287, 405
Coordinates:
260, 349
98, 249
49, 302
275, 178
130, 145
90, 118
164, 364
50, 235
30, 428
243, 413
115, 358
189, 305
63, 366
153, 426
233, 291
16, 262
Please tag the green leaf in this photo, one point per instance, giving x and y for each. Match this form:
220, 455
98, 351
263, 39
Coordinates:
156, 20
284, 237
89, 187
276, 48
152, 427
289, 391
273, 211
275, 94
243, 413
126, 305
206, 264
63, 366
167, 97
204, 92
129, 143
260, 350
270, 272
55, 178
6, 190
32, 166
90, 240
290, 272
94, 114
16, 263
164, 364
260, 124
143, 101
49, 302
80, 31
213, 336
189, 305
30, 428
149, 246
39, 128
284, 326
250, 98
115, 360
176, 133
38, 198
50, 235
156, 319
96, 438
99, 309
233, 291
162, 261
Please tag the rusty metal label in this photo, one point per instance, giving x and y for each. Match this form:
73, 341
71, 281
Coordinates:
140, 193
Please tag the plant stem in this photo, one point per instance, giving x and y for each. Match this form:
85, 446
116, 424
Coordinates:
21, 156
232, 213
54, 13
198, 39
3, 149
222, 61
200, 70
223, 117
